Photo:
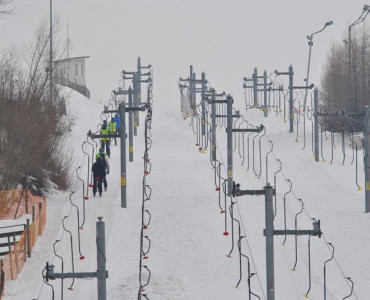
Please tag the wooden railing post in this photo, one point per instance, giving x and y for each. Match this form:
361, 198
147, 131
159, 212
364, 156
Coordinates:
40, 210
28, 237
10, 260
25, 239
15, 253
2, 278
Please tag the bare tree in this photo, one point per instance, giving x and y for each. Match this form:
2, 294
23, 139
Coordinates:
3, 7
32, 129
345, 82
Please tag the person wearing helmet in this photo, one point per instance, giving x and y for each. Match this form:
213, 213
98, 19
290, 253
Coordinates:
117, 118
103, 156
99, 174
112, 126
105, 141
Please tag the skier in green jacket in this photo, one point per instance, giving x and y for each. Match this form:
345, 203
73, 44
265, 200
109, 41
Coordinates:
112, 128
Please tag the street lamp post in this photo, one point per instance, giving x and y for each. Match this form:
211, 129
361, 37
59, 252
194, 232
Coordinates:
310, 44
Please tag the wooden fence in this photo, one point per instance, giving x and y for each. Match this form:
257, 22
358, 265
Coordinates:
12, 263
7, 199
2, 279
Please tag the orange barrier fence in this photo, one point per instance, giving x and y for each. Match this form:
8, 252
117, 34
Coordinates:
2, 280
15, 203
11, 264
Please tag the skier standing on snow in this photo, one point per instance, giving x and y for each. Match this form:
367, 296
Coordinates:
99, 174
112, 126
105, 141
102, 156
117, 118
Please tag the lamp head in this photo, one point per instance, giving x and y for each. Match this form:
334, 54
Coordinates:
366, 7
329, 23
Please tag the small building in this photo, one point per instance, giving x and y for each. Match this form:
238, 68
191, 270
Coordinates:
71, 72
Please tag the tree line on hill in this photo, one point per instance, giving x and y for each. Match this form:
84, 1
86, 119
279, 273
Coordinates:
345, 82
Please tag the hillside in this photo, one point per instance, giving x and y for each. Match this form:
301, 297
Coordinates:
188, 251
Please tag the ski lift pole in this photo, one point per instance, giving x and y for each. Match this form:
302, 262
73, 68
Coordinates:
268, 191
229, 131
136, 82
291, 113
131, 126
203, 94
202, 90
191, 86
139, 74
367, 158
248, 86
139, 78
214, 115
290, 73
229, 121
193, 91
101, 272
214, 128
269, 232
122, 113
213, 124
136, 94
265, 107
255, 88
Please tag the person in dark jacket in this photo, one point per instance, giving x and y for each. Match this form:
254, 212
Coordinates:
103, 156
99, 175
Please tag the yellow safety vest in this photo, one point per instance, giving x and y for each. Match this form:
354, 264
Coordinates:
112, 127
104, 131
102, 155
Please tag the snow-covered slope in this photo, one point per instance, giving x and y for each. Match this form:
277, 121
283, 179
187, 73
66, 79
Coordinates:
188, 256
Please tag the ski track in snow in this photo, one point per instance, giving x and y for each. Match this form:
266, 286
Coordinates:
188, 255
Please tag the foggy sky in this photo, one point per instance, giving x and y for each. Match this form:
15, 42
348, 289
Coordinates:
224, 38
